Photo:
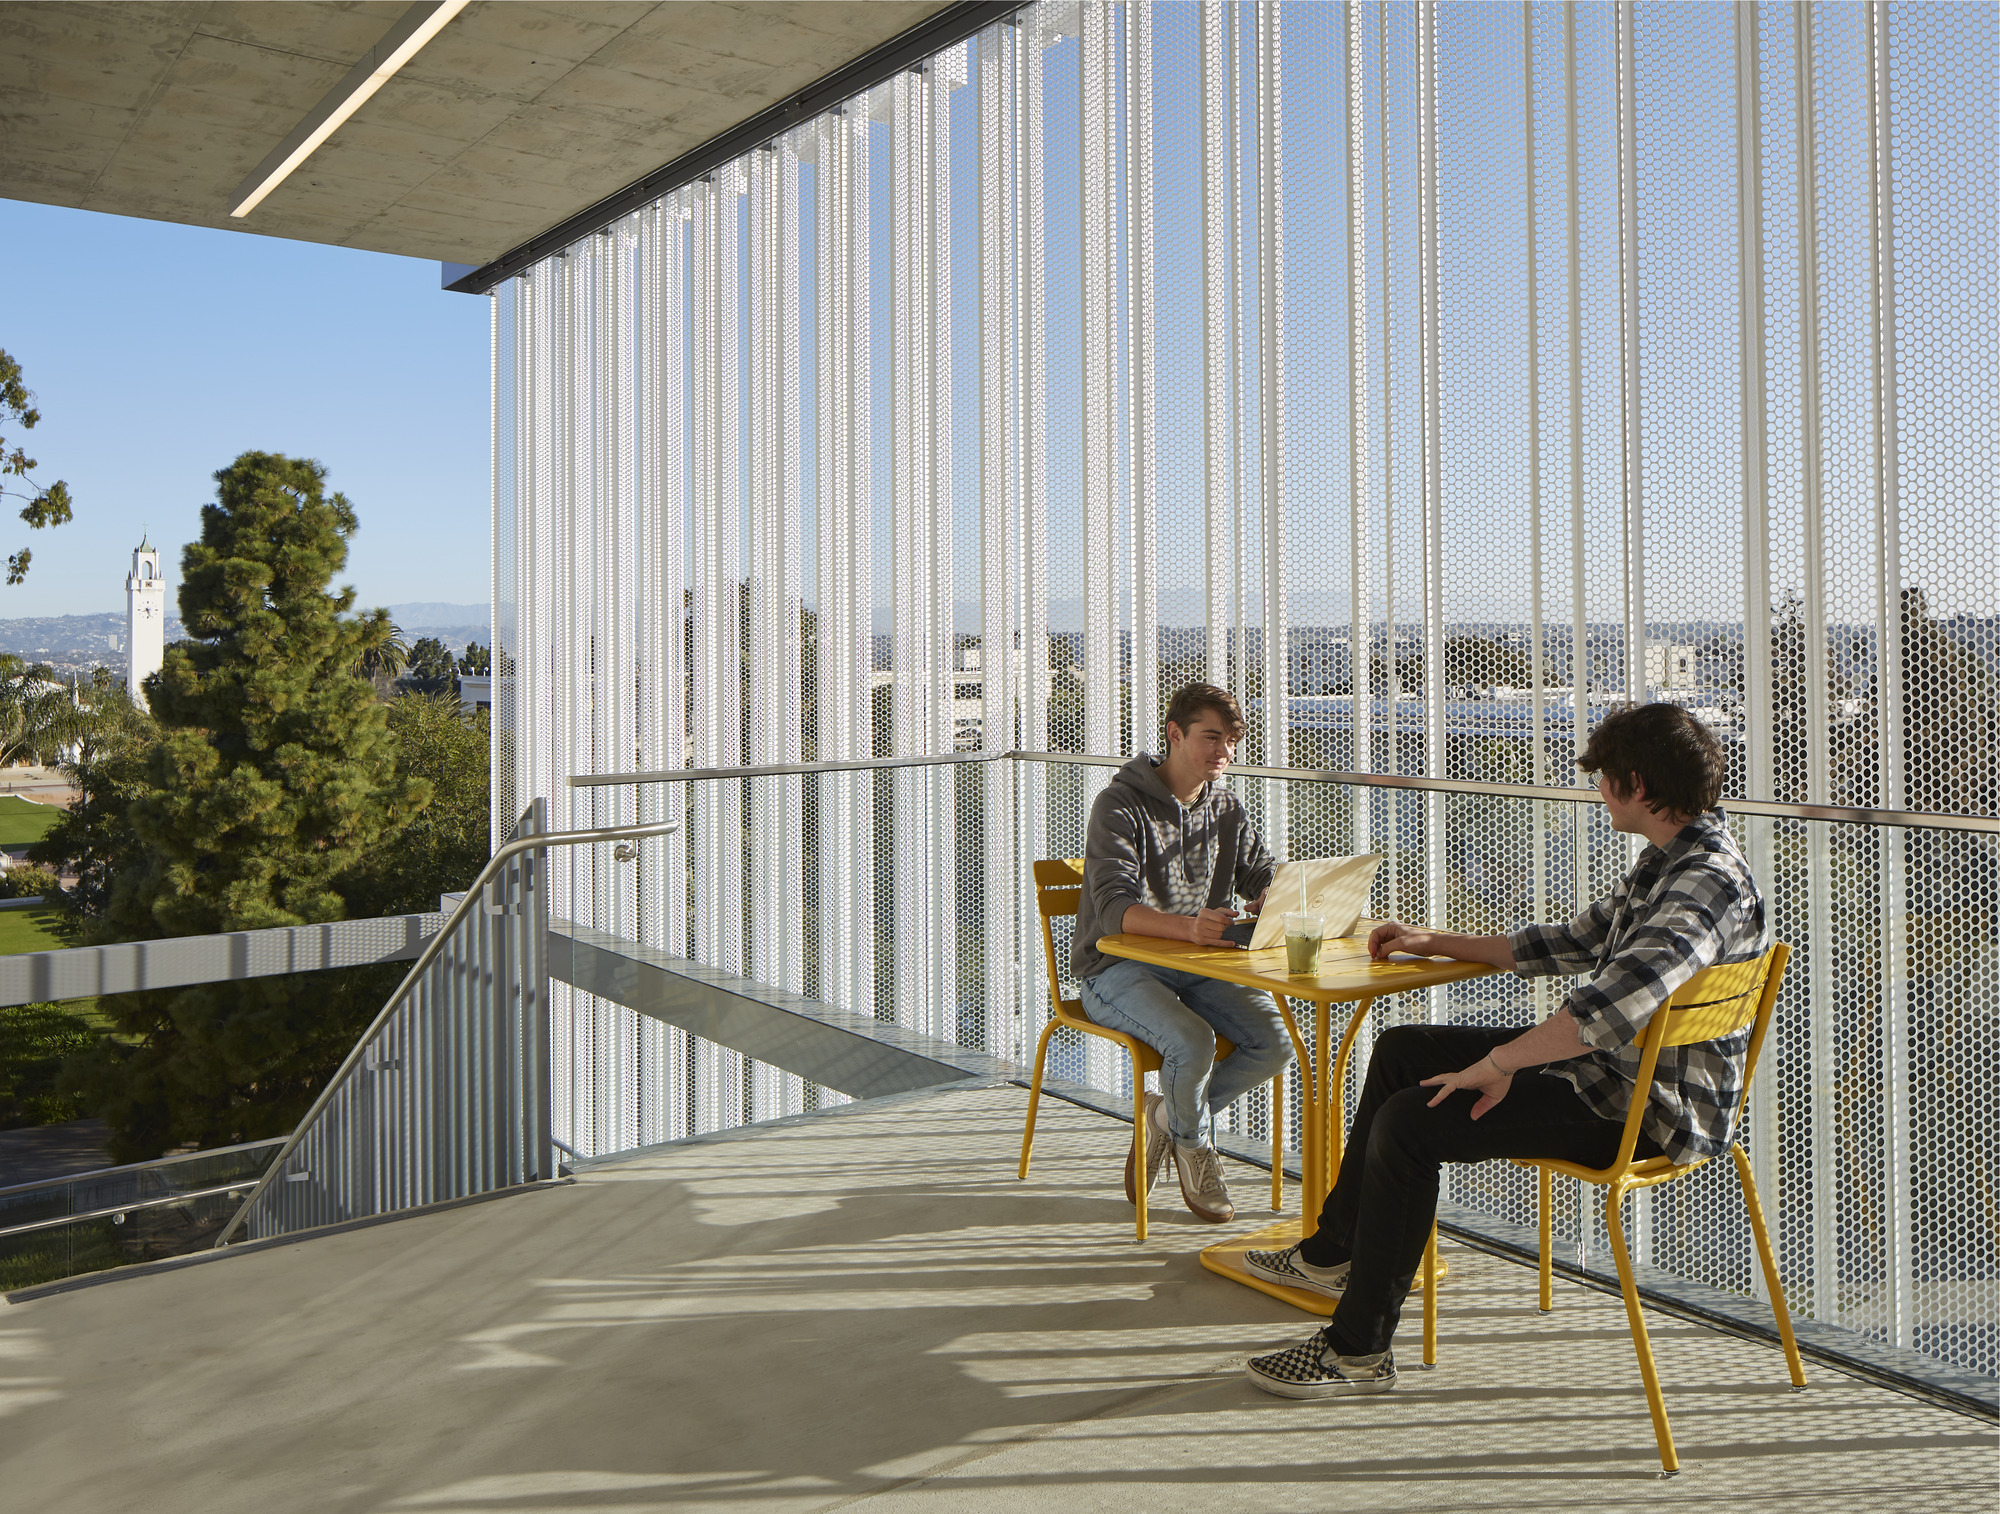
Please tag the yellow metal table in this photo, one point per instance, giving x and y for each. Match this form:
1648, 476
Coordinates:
1347, 975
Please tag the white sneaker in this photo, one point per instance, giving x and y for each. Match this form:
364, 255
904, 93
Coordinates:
1207, 1196
1294, 1271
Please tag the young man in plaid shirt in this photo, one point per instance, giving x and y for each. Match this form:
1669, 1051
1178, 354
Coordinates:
1464, 1093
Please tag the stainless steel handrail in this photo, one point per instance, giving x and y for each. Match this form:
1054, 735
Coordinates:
156, 1202
1770, 808
784, 769
474, 898
99, 1174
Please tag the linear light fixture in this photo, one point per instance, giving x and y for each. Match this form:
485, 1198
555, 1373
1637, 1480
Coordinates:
378, 65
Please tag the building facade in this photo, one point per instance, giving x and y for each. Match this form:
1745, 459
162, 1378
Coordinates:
1573, 352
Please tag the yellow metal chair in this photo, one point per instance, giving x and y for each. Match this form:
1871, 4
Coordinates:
1058, 887
1716, 1002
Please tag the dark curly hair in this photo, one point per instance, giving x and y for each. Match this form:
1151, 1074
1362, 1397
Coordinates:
1674, 755
1195, 698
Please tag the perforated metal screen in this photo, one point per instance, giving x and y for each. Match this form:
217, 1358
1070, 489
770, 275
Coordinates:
1433, 375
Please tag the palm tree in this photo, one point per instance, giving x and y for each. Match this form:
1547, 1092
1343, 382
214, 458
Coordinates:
77, 723
51, 721
16, 734
382, 661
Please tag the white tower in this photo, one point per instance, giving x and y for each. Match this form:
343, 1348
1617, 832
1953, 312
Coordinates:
145, 621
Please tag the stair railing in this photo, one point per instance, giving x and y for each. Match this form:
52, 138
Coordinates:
446, 1094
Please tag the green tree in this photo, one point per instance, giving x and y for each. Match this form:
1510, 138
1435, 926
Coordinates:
477, 661
441, 850
273, 781
34, 880
431, 668
34, 1040
44, 507
1951, 724
93, 838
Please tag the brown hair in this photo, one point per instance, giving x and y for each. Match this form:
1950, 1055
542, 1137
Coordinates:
1197, 698
1674, 755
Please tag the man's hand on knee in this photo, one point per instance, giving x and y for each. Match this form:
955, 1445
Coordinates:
1483, 1077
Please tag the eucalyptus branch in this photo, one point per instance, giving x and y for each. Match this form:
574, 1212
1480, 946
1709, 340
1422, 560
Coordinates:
45, 506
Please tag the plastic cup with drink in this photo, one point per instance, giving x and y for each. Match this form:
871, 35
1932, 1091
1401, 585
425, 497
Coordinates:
1303, 934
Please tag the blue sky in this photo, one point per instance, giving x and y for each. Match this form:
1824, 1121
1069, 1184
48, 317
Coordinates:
159, 352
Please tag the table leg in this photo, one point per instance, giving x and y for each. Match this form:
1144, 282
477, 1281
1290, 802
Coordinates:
1337, 1136
1312, 1196
1305, 1102
1321, 1141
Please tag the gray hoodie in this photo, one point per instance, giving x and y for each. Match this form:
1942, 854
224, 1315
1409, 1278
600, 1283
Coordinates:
1144, 847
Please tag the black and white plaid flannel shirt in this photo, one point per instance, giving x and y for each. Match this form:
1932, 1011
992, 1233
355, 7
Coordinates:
1682, 908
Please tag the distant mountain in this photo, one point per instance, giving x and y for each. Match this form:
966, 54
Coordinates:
78, 643
428, 615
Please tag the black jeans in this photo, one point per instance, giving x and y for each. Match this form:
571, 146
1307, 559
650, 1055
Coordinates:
1380, 1211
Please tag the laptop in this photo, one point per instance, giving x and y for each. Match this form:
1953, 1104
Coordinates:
1335, 888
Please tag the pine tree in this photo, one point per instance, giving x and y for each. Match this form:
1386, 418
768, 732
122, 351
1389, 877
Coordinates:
273, 783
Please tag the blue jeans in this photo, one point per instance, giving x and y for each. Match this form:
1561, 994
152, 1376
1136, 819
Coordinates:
1179, 1015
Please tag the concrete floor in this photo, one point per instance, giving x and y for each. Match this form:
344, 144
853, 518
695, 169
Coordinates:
868, 1306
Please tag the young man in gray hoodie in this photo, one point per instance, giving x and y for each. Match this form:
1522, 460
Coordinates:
1167, 849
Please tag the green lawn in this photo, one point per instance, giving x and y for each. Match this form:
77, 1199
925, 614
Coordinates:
23, 822
27, 930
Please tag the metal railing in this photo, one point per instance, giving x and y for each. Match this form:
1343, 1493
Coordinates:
116, 1216
1764, 808
446, 1094
79, 972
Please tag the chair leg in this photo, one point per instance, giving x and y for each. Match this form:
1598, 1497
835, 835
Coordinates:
1614, 1202
1770, 1264
1431, 1299
1548, 1263
1141, 1187
1278, 1143
1035, 1095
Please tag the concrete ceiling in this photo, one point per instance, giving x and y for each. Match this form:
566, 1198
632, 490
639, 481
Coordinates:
515, 117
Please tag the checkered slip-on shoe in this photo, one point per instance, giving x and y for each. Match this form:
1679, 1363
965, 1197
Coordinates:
1291, 1270
1311, 1370
1157, 1144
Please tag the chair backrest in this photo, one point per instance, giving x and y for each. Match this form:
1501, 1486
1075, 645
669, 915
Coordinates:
1716, 1002
1058, 892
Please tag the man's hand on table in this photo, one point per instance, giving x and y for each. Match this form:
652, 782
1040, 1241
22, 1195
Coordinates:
1393, 936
